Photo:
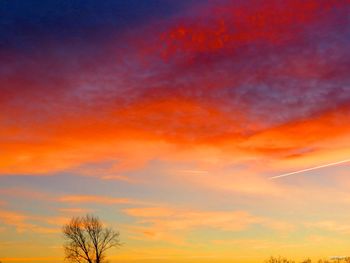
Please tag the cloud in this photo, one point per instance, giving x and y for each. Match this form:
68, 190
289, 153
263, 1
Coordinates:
232, 25
172, 225
75, 210
93, 199
330, 225
30, 259
22, 223
257, 77
27, 193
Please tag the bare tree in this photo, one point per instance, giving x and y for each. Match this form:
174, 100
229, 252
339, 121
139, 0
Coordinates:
87, 240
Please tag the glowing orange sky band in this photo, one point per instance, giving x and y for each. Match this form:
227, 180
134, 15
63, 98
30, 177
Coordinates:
310, 169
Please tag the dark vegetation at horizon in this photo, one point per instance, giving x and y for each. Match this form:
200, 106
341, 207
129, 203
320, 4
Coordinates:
286, 260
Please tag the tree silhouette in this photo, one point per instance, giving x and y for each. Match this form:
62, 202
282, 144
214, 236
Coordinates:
87, 240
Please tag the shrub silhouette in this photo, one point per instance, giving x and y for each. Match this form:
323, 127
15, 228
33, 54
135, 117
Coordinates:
278, 260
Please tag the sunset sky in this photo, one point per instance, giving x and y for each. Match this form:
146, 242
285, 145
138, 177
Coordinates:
167, 119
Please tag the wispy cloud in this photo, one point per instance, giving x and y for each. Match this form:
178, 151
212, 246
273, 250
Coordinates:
167, 223
22, 222
93, 199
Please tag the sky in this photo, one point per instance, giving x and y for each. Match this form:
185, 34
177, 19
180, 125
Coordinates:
167, 119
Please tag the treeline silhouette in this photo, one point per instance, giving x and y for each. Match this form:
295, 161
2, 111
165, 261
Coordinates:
286, 260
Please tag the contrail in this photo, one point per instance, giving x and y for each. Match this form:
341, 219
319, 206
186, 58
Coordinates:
309, 169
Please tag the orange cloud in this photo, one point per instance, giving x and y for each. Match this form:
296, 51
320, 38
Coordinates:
30, 259
167, 223
93, 199
313, 132
133, 150
22, 222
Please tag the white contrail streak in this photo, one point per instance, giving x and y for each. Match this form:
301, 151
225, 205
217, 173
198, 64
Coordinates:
309, 169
